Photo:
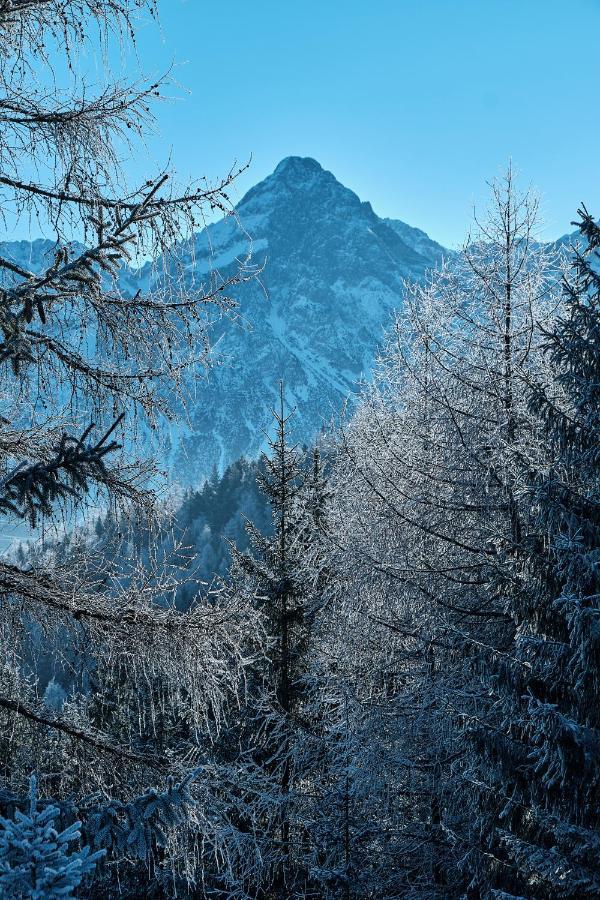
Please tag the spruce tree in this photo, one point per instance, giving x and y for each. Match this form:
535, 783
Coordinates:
273, 572
541, 771
36, 860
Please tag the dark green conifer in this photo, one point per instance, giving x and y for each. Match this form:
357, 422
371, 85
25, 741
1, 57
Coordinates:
541, 821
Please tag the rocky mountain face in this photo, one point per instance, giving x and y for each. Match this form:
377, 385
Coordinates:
331, 277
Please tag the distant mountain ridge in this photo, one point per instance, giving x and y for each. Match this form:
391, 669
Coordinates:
332, 279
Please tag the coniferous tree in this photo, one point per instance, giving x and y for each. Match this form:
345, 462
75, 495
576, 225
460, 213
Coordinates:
427, 514
36, 860
541, 769
78, 346
273, 572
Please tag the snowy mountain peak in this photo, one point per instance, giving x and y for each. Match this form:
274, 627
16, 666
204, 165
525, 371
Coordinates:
305, 176
333, 276
332, 279
298, 166
296, 180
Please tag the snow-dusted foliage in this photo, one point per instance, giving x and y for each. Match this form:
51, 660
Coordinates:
543, 766
429, 498
89, 366
36, 860
278, 727
392, 690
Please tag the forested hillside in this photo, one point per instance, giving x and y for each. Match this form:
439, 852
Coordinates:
196, 531
361, 666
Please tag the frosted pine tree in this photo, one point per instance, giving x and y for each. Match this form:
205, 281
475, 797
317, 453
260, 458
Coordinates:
273, 572
36, 860
541, 813
428, 510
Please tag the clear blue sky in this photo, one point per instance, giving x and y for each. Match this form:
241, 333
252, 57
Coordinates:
411, 103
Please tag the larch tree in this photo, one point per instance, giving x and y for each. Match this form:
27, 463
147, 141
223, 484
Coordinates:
428, 513
85, 360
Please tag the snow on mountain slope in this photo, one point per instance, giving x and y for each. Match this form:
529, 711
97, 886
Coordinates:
331, 280
332, 277
418, 240
33, 256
